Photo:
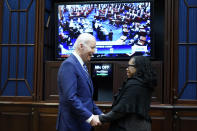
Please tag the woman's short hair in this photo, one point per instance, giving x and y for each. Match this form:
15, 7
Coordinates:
145, 71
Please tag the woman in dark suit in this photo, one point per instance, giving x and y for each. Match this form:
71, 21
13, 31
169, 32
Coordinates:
132, 103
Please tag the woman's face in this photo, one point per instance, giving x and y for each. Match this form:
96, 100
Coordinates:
131, 69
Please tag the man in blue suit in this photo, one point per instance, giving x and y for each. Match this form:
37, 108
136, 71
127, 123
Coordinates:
77, 111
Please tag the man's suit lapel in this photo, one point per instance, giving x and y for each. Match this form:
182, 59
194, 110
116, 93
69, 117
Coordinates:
89, 81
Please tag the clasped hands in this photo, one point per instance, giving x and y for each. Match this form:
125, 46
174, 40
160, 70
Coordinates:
95, 121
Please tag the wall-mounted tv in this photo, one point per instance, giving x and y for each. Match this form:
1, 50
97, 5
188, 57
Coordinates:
121, 29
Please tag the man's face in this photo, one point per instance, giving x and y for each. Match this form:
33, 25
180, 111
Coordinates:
88, 51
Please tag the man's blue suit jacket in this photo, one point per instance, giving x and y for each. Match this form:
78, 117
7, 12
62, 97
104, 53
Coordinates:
75, 97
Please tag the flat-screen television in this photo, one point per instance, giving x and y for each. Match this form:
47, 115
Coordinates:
121, 28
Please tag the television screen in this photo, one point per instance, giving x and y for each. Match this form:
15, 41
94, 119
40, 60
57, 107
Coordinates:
101, 70
121, 29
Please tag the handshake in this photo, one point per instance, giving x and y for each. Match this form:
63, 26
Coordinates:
95, 121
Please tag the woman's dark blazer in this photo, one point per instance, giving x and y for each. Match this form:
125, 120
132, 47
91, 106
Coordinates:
133, 100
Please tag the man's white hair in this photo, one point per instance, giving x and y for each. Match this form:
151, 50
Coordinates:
83, 38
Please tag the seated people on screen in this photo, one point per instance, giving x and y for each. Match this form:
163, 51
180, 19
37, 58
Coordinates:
112, 24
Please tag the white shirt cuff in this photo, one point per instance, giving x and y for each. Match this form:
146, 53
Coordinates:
89, 119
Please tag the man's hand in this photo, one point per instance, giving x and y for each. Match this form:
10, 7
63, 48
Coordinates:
95, 121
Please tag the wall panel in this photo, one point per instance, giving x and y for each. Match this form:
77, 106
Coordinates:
17, 45
119, 76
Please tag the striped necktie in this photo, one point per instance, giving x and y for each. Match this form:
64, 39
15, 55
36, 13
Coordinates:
85, 68
88, 75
